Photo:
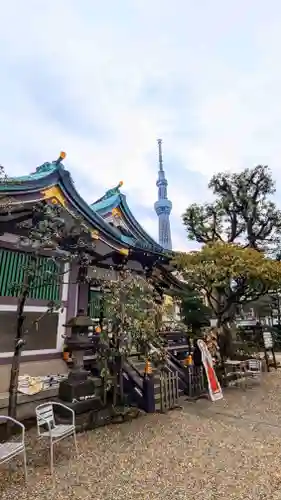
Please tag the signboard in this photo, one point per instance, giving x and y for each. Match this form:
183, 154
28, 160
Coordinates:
214, 387
246, 322
267, 340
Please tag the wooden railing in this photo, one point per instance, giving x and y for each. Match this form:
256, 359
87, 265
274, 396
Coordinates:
169, 391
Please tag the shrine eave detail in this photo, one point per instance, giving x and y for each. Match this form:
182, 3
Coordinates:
116, 205
52, 179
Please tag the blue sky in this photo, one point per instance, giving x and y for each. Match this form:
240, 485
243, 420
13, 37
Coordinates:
103, 80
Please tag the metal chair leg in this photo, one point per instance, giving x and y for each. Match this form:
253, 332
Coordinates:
25, 465
10, 470
52, 458
75, 442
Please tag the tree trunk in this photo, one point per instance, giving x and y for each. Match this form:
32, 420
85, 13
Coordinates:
116, 376
195, 330
278, 310
225, 340
121, 347
224, 333
115, 386
158, 319
13, 389
121, 380
19, 343
104, 382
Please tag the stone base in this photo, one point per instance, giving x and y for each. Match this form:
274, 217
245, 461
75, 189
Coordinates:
125, 414
79, 407
75, 389
98, 418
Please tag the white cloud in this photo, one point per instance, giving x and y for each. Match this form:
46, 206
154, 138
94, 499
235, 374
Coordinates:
214, 68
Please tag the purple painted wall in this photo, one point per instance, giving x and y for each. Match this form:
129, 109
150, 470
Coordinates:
13, 301
33, 357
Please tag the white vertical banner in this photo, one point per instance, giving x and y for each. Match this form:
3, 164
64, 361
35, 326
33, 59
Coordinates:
214, 387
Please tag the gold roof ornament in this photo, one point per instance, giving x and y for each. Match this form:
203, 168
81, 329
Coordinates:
116, 212
54, 194
124, 251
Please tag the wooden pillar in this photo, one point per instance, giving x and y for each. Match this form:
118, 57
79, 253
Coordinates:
72, 297
83, 297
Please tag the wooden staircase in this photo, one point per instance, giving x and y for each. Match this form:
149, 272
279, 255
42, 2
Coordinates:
164, 383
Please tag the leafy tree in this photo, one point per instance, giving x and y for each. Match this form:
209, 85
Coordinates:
240, 212
168, 308
3, 179
5, 201
195, 313
130, 324
61, 239
229, 275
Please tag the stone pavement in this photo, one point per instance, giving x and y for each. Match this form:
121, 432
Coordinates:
230, 449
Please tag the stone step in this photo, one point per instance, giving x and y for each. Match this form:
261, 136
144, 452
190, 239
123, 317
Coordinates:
139, 364
139, 367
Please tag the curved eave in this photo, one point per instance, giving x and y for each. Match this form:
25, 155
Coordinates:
103, 206
56, 175
29, 183
84, 209
130, 217
59, 177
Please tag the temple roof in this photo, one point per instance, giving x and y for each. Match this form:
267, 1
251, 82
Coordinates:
113, 208
109, 215
111, 222
52, 178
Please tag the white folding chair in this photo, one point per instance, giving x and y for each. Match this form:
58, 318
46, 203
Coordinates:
11, 448
253, 369
48, 428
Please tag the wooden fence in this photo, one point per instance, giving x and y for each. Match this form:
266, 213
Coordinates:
169, 391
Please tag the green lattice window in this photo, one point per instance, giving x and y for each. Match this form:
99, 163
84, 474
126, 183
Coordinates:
94, 304
12, 267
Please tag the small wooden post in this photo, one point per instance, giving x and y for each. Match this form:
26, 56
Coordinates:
148, 389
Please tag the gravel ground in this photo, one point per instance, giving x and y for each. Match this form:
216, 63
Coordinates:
224, 450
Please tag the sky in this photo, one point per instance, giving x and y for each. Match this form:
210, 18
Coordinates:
102, 80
